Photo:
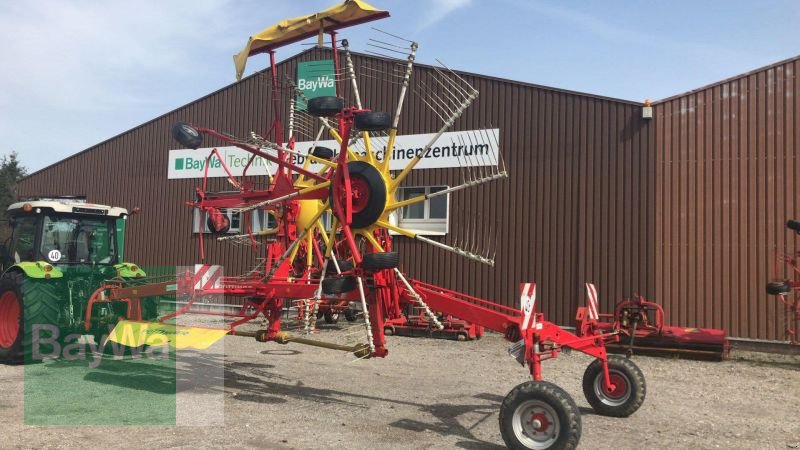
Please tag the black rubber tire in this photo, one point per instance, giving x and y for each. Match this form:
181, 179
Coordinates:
377, 199
187, 135
350, 315
325, 106
213, 230
344, 266
381, 260
618, 366
331, 317
372, 121
793, 225
338, 285
778, 288
323, 153
564, 408
39, 306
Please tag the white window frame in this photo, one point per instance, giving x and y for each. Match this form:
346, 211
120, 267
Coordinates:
424, 226
257, 218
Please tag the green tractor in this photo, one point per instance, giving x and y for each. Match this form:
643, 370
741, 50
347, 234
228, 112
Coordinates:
60, 251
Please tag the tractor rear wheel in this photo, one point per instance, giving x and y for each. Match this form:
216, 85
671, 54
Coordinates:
539, 415
629, 387
27, 305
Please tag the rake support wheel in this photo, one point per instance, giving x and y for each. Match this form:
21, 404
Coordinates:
539, 415
630, 387
381, 260
338, 285
187, 135
372, 121
325, 106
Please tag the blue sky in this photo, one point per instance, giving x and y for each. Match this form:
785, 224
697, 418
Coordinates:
76, 72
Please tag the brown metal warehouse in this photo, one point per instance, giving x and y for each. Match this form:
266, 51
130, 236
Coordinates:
686, 208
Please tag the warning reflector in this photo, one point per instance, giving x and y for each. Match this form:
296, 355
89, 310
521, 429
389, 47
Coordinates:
135, 334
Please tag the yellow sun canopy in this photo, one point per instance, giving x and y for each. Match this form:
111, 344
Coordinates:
351, 12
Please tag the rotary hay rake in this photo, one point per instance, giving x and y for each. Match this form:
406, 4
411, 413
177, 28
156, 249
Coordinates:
349, 264
787, 289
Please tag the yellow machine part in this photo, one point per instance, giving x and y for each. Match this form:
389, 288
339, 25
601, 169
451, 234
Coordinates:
309, 209
135, 334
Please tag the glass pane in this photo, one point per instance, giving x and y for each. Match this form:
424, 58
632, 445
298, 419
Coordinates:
417, 210
438, 205
78, 240
24, 234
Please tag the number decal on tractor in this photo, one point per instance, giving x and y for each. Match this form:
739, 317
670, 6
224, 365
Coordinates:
54, 255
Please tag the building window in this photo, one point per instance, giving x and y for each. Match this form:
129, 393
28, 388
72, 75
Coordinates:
234, 218
426, 218
263, 220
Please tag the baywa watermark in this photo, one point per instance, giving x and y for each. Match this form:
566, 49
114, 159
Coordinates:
48, 344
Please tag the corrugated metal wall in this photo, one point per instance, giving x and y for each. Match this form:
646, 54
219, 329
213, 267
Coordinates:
727, 181
686, 209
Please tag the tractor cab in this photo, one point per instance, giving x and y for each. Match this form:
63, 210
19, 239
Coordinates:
64, 231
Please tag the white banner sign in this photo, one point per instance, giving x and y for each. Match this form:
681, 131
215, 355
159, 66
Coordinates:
452, 149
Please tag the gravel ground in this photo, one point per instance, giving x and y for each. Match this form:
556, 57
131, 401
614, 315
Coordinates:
431, 394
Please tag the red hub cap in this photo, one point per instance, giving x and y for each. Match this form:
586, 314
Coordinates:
541, 420
9, 319
620, 386
359, 189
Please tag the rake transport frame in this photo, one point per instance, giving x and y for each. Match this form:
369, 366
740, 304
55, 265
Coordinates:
358, 192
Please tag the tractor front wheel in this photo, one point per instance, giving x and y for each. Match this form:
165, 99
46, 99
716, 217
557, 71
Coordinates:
28, 318
628, 392
539, 415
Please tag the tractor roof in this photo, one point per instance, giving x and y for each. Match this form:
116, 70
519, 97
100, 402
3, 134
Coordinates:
70, 207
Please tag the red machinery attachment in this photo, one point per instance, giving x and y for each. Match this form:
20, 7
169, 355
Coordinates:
787, 289
640, 326
417, 323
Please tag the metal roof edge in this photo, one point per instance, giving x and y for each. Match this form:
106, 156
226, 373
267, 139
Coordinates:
728, 80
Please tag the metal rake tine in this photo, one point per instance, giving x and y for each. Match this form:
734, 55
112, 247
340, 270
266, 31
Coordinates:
379, 54
405, 49
456, 97
388, 49
465, 172
493, 156
460, 89
500, 159
392, 35
479, 162
452, 71
435, 111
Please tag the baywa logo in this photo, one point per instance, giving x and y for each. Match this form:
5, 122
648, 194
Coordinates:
47, 343
233, 160
311, 86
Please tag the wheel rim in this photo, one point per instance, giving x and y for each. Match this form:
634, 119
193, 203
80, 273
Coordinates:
621, 392
9, 319
536, 424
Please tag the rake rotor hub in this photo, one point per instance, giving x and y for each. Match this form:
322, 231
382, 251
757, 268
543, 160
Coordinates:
368, 193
